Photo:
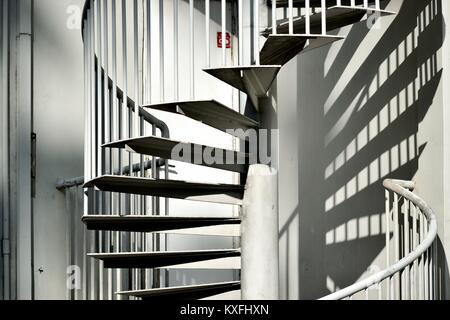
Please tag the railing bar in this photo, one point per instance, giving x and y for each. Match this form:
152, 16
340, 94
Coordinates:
291, 17
223, 21
136, 68
388, 235
307, 17
414, 270
377, 4
274, 17
396, 244
323, 9
100, 107
257, 33
192, 50
241, 32
406, 246
161, 51
208, 32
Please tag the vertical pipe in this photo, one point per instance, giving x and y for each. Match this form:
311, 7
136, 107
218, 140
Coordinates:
396, 245
291, 16
4, 29
259, 235
307, 17
208, 35
191, 44
323, 12
388, 236
224, 33
274, 16
425, 266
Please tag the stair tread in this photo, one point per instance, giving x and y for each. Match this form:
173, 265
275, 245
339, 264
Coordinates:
337, 17
315, 3
256, 79
209, 112
281, 48
152, 223
160, 259
163, 147
207, 192
198, 291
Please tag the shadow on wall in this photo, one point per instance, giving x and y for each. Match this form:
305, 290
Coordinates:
361, 126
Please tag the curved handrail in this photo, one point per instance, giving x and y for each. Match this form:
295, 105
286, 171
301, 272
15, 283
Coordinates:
401, 188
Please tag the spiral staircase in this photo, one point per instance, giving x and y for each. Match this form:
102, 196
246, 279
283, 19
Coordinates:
310, 28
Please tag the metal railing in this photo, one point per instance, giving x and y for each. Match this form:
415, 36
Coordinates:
411, 231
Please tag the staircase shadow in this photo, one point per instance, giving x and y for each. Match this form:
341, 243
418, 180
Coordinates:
368, 132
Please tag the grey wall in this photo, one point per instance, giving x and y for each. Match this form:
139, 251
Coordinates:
350, 115
59, 125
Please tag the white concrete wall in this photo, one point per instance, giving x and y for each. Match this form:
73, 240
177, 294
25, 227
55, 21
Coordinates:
350, 115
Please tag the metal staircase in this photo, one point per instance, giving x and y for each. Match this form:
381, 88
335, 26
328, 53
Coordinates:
117, 137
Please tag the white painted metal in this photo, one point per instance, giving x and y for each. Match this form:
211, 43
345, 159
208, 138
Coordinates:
388, 237
307, 17
291, 16
259, 235
256, 32
224, 31
400, 189
208, 35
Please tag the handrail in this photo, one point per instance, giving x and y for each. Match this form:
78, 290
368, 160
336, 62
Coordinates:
401, 188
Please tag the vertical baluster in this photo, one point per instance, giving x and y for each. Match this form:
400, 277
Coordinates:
116, 122
257, 35
435, 284
307, 17
241, 32
366, 291
353, 3
323, 9
377, 4
388, 237
208, 35
100, 108
425, 266
422, 257
87, 163
223, 11
406, 247
414, 246
291, 16
274, 16
366, 4
91, 194
191, 43
396, 246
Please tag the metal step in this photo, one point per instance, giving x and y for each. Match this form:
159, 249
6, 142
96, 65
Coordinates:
217, 193
192, 153
337, 17
162, 258
209, 112
160, 223
281, 48
254, 80
185, 292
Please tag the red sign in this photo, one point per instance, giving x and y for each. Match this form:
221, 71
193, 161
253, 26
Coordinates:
219, 40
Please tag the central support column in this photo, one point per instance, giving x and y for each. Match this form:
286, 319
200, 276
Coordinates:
259, 235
